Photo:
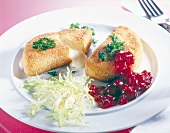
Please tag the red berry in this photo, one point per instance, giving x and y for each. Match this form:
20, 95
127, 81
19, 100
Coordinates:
106, 102
118, 83
111, 89
92, 93
132, 80
98, 98
124, 56
93, 88
126, 86
123, 100
128, 90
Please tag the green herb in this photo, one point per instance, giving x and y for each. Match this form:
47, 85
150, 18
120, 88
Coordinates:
53, 73
93, 32
94, 41
77, 25
111, 49
86, 27
44, 44
103, 56
73, 72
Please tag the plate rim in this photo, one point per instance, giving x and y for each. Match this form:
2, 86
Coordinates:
6, 33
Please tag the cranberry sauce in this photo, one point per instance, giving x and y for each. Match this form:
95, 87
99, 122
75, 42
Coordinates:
126, 85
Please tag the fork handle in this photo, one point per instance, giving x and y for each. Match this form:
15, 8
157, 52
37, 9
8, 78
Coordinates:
166, 26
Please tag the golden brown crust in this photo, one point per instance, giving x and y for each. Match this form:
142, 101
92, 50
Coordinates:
132, 43
36, 61
97, 69
104, 71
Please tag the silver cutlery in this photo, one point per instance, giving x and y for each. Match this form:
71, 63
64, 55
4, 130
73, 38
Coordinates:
155, 14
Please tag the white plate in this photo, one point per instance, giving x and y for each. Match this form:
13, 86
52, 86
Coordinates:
103, 21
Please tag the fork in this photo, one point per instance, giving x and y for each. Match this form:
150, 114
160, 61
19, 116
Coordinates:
155, 14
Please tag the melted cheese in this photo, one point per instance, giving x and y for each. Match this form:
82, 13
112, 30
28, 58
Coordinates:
77, 55
78, 58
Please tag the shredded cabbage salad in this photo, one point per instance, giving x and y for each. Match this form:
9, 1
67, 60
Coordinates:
64, 96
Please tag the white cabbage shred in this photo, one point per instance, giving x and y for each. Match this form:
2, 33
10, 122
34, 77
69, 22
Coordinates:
64, 96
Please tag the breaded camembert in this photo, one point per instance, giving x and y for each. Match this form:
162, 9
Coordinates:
71, 44
104, 70
77, 38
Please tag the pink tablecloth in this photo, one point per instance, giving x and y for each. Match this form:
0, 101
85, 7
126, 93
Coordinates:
15, 11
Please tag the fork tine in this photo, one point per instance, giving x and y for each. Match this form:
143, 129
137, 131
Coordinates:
157, 7
150, 8
147, 13
153, 7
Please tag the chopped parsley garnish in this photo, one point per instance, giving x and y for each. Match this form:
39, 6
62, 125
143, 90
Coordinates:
73, 72
111, 49
103, 56
86, 27
94, 41
44, 44
53, 73
77, 25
